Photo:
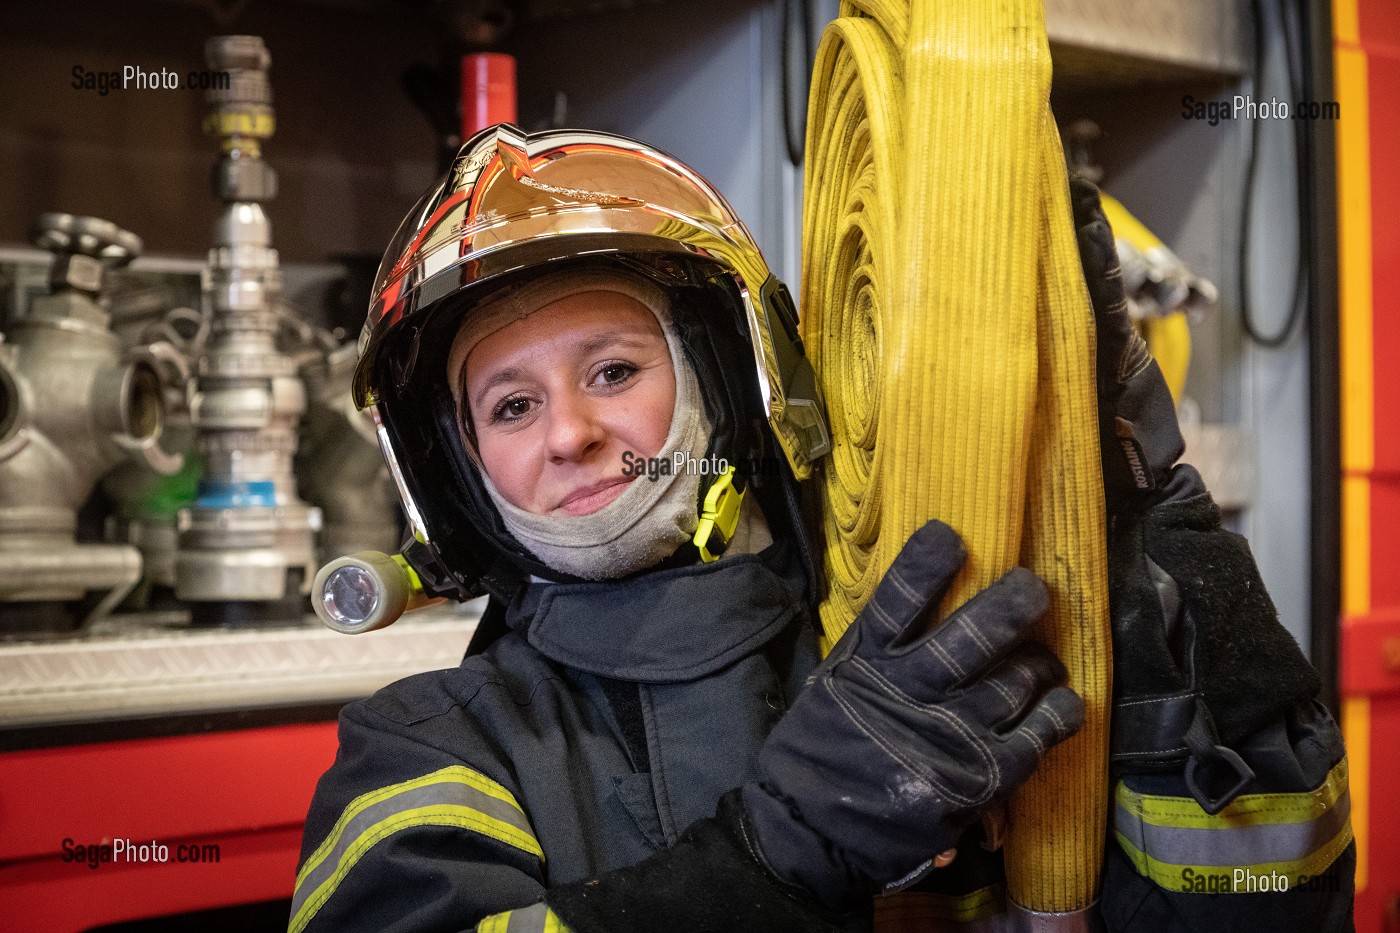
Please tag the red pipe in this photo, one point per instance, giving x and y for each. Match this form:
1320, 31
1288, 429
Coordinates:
488, 91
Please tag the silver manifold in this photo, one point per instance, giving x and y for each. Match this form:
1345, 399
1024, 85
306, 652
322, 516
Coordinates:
73, 405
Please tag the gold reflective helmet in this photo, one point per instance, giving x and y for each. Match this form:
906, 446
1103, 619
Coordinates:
515, 206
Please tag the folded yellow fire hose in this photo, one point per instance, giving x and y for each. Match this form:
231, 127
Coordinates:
945, 311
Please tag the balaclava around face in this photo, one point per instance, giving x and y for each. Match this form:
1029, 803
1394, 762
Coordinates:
651, 519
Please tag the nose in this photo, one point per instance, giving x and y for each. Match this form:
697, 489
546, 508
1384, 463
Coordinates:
574, 430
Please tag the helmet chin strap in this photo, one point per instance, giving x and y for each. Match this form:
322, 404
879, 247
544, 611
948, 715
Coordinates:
719, 517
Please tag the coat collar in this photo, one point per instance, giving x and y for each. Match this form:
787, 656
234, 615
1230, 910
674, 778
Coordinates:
666, 626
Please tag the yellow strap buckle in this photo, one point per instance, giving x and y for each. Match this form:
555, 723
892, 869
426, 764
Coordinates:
720, 514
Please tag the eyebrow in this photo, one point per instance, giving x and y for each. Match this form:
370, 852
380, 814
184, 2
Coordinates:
591, 345
505, 375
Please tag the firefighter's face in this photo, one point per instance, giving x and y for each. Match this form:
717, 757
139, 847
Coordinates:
557, 398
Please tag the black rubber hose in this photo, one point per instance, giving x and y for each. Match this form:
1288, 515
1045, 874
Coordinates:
1302, 157
795, 124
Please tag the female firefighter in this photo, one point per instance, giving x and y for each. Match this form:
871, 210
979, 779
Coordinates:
591, 393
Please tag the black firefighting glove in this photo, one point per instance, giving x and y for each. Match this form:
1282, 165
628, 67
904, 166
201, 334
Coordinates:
902, 737
1138, 432
898, 741
1200, 660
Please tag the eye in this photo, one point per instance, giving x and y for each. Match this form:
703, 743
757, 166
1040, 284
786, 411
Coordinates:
614, 373
511, 409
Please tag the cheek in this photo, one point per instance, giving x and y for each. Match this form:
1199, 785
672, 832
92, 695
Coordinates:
508, 465
649, 421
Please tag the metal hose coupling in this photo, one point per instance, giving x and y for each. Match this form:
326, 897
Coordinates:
247, 544
365, 591
1020, 919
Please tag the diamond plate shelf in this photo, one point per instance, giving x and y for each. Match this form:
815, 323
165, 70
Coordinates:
158, 671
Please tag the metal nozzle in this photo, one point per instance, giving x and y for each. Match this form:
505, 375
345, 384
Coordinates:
365, 591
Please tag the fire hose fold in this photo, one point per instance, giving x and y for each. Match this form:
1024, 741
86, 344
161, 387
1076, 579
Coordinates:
945, 312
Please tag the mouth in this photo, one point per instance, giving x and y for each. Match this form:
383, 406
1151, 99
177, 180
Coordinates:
588, 499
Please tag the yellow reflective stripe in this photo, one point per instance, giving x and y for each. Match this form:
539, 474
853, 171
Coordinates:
438, 815
455, 796
1175, 877
1293, 836
911, 908
496, 923
456, 774
1246, 810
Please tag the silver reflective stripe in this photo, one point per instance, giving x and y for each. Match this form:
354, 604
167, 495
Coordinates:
454, 797
537, 918
1236, 845
1272, 841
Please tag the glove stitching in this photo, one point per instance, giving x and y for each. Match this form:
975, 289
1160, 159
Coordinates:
1135, 358
1034, 739
1026, 673
1061, 730
1165, 751
1013, 700
942, 654
975, 635
909, 592
751, 845
1113, 272
893, 692
882, 616
893, 752
1012, 704
935, 710
1161, 699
